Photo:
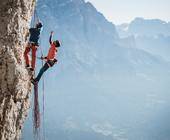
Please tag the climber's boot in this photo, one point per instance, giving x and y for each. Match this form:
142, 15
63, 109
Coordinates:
27, 66
31, 69
33, 81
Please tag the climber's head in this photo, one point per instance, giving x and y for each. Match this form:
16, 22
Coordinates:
39, 25
57, 43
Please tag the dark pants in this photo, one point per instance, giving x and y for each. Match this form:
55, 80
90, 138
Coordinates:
42, 70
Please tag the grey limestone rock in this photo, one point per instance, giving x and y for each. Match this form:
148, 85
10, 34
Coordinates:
15, 86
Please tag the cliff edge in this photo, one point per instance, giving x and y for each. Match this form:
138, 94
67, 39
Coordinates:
15, 86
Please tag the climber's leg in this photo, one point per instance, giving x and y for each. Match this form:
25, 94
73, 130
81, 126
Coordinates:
34, 50
42, 70
27, 50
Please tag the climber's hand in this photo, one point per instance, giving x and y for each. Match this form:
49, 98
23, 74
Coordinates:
52, 32
42, 57
55, 60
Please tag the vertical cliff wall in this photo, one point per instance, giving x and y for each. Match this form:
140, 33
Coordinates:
15, 16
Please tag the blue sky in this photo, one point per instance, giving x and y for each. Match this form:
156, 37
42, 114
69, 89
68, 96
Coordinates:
120, 11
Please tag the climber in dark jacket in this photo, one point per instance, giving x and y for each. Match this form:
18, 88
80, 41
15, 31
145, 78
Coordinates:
32, 45
50, 58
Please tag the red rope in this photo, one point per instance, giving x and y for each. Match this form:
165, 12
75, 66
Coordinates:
36, 114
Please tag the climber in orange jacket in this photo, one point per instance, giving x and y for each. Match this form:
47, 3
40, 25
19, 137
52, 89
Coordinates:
32, 45
50, 58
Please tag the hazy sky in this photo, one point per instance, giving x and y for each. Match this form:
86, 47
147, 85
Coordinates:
119, 11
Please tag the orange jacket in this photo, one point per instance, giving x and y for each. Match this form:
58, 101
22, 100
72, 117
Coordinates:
52, 52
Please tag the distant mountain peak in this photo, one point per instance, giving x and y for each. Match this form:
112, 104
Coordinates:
149, 27
143, 20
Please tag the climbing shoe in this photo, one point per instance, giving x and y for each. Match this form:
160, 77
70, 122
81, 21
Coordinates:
31, 69
27, 66
33, 81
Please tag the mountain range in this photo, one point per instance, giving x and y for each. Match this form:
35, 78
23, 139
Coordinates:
151, 35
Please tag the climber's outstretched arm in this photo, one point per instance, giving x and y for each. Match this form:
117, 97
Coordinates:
50, 39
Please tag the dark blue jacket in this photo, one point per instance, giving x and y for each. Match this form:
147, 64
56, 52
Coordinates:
34, 35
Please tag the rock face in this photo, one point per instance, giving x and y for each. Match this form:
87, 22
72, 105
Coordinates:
15, 87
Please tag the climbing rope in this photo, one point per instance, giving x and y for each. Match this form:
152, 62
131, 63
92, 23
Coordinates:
36, 110
36, 114
34, 19
43, 93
